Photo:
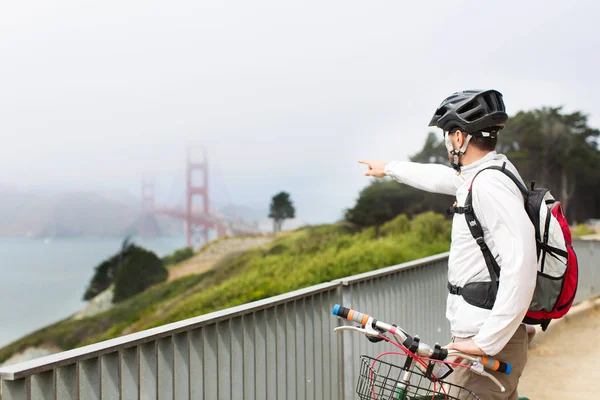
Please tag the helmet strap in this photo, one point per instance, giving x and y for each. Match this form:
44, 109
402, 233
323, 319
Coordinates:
456, 153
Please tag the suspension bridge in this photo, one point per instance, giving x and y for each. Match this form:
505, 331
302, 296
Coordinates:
199, 219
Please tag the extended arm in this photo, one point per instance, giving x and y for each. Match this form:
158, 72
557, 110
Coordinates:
435, 178
429, 177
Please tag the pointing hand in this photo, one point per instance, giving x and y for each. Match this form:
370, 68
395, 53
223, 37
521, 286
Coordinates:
376, 168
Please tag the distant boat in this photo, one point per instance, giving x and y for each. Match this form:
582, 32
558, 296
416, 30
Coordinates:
47, 241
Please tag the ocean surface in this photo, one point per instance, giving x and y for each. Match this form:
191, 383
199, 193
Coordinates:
43, 281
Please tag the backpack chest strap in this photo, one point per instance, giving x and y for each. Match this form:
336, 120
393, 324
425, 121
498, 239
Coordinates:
459, 210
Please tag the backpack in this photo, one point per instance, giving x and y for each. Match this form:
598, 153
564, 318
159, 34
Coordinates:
557, 270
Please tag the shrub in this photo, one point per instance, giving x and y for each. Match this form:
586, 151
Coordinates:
141, 269
431, 227
397, 226
105, 273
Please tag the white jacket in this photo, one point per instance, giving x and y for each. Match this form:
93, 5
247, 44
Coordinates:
508, 232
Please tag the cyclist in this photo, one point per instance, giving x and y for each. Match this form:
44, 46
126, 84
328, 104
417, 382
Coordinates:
471, 121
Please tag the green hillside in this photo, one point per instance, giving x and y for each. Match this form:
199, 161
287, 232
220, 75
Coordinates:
294, 260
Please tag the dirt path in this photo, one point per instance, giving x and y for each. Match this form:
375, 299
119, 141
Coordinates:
205, 260
563, 363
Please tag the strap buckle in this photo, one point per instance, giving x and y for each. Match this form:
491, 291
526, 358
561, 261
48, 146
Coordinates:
453, 289
468, 209
481, 242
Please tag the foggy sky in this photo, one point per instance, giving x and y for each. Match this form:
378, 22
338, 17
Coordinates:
285, 95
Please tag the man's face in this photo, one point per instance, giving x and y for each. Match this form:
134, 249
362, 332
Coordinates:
450, 145
453, 141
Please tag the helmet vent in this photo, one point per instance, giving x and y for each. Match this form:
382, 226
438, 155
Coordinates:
479, 114
501, 106
440, 112
489, 102
468, 107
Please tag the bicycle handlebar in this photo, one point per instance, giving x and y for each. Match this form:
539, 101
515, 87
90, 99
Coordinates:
495, 365
422, 349
353, 315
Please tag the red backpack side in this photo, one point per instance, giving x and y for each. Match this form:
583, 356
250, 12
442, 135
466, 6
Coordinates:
558, 271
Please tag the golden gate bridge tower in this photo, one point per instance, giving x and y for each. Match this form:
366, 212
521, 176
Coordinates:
196, 227
198, 223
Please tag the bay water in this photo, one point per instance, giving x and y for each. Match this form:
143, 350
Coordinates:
43, 281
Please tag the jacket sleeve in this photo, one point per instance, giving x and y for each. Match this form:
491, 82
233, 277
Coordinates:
434, 178
499, 207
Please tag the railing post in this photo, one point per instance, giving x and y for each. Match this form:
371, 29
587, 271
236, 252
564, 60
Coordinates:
346, 356
15, 390
595, 274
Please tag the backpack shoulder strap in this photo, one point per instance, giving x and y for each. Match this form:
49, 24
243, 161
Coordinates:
475, 226
522, 188
477, 233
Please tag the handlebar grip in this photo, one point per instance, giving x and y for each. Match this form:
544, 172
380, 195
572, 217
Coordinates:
350, 314
495, 365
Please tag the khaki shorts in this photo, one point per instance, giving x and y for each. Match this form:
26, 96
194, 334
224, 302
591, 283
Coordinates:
514, 353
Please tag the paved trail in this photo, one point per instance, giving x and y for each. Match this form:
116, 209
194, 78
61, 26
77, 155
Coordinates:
564, 363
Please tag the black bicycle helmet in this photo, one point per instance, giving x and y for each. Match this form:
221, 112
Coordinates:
472, 111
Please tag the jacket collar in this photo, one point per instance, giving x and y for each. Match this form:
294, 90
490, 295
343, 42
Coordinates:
476, 166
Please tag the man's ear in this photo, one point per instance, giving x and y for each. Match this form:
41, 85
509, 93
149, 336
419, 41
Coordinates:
460, 138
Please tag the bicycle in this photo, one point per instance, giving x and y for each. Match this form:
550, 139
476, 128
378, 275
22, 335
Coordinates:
424, 370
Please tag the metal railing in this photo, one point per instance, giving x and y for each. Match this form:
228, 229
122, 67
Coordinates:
278, 348
588, 255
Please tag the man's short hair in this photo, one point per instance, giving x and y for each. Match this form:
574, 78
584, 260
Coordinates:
484, 143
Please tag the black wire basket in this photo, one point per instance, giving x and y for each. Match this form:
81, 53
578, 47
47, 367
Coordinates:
379, 380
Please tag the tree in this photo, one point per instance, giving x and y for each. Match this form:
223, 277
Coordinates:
281, 209
433, 151
106, 271
132, 269
141, 269
378, 203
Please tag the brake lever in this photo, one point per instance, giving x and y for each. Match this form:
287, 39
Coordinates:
477, 367
367, 330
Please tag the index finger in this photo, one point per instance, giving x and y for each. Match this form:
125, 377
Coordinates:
364, 162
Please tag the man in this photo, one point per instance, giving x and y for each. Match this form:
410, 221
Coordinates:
471, 121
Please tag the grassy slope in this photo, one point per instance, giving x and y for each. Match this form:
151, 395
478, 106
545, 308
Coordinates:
295, 260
